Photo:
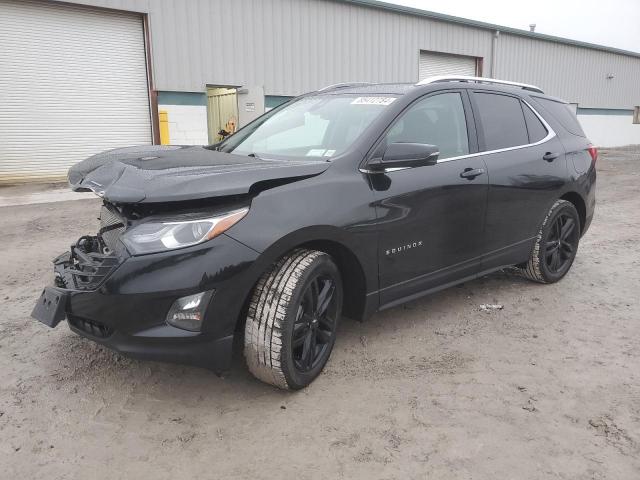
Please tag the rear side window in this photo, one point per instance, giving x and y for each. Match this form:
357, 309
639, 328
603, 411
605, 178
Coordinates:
502, 121
563, 114
537, 130
437, 120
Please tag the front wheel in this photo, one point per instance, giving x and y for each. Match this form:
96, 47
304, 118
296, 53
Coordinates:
556, 244
292, 319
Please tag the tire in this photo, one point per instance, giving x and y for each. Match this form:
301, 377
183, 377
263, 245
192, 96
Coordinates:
283, 320
556, 244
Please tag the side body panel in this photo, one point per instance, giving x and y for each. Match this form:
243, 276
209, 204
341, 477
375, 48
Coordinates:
522, 187
431, 225
335, 209
430, 219
581, 169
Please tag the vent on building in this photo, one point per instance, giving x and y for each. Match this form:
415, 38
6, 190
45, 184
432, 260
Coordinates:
636, 115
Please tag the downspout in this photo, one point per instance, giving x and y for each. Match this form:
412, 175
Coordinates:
494, 50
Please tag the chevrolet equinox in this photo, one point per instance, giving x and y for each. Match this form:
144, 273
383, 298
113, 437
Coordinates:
344, 201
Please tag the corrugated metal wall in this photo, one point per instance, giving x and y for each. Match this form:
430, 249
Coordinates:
290, 46
293, 46
576, 74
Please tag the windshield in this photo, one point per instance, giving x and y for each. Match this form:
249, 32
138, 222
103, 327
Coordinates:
316, 126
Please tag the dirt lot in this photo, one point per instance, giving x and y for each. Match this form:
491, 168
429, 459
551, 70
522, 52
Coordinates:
548, 387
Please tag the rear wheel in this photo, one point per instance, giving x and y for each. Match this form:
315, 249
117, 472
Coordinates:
291, 323
556, 244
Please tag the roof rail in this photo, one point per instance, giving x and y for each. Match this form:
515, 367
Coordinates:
463, 78
335, 86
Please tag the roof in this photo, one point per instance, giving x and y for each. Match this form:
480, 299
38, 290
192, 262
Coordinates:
488, 26
400, 89
368, 89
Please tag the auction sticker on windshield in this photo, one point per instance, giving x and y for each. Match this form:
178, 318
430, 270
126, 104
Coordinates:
384, 101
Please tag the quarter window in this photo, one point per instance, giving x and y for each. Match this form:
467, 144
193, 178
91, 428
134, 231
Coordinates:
536, 129
437, 120
502, 121
562, 113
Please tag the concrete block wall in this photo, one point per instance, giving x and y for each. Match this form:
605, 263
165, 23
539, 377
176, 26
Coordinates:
187, 117
609, 128
187, 124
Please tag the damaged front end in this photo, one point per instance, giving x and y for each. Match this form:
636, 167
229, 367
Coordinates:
92, 258
83, 268
159, 174
160, 279
166, 298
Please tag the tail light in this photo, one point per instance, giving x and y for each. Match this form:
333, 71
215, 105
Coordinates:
593, 151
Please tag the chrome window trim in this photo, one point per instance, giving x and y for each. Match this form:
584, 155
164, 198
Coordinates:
550, 134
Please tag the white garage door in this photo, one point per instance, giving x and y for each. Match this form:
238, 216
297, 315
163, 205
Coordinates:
73, 82
432, 64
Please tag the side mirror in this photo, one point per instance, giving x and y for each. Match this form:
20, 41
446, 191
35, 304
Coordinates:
403, 155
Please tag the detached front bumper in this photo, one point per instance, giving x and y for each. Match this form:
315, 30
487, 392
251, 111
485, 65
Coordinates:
127, 310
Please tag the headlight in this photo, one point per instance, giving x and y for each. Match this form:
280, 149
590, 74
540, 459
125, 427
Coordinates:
167, 235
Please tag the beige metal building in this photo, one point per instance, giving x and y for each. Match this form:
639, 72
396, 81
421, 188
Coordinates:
82, 76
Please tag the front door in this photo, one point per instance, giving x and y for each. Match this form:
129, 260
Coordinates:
431, 218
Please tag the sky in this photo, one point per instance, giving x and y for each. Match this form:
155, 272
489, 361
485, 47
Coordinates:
614, 23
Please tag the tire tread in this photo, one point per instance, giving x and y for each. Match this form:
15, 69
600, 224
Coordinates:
531, 269
263, 342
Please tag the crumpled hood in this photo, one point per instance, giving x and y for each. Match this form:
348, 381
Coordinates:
162, 173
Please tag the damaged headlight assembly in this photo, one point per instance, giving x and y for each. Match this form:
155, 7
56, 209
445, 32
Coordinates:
163, 235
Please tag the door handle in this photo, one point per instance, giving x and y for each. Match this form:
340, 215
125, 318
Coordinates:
471, 173
550, 157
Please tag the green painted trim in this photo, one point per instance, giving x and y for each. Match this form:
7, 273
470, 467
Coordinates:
489, 26
182, 98
273, 101
604, 111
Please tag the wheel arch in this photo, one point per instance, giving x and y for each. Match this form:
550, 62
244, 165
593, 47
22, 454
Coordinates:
579, 203
358, 275
351, 271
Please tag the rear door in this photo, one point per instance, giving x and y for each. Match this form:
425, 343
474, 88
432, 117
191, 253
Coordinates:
527, 170
431, 218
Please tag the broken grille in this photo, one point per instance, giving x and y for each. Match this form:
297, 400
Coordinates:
111, 227
83, 271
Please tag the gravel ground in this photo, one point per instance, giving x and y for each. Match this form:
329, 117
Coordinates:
547, 387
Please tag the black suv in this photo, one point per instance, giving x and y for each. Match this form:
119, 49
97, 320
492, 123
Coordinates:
348, 200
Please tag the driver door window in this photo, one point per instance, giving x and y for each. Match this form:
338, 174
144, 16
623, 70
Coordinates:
437, 120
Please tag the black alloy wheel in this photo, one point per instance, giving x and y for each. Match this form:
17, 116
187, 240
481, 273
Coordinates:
315, 324
561, 243
556, 245
292, 319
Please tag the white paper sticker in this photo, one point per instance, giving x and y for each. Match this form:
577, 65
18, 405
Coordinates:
329, 153
384, 101
316, 152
